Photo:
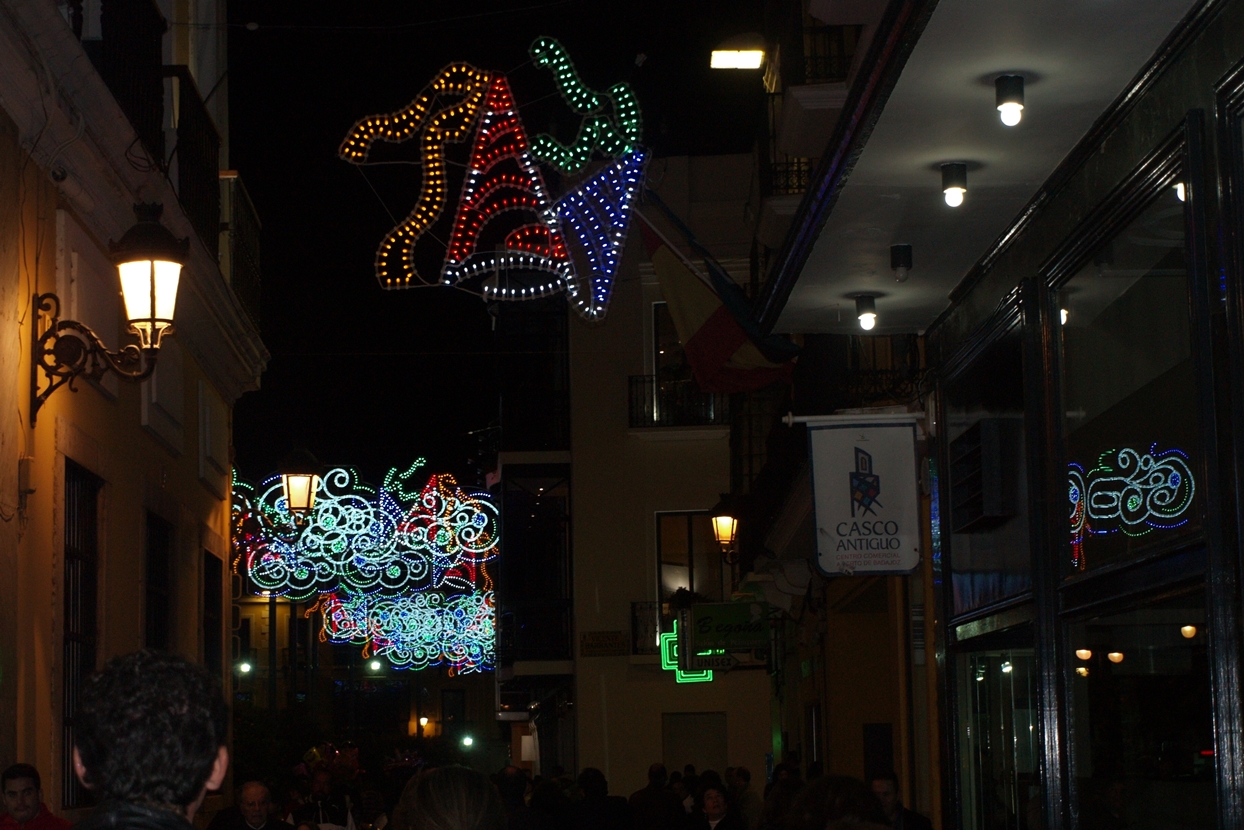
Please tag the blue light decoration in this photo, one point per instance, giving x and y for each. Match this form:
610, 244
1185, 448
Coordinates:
531, 260
599, 214
1130, 492
399, 570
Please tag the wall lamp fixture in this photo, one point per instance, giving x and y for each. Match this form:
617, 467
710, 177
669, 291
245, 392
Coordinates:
149, 261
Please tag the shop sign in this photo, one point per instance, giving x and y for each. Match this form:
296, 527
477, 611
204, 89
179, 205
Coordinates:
865, 493
604, 644
713, 662
729, 626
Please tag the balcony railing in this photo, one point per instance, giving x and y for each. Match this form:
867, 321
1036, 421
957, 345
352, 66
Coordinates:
786, 178
129, 57
675, 403
196, 157
239, 243
828, 52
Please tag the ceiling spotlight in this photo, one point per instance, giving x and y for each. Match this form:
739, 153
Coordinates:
866, 310
954, 182
900, 261
1010, 97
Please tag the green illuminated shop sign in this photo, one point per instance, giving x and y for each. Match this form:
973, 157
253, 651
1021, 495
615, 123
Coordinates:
729, 626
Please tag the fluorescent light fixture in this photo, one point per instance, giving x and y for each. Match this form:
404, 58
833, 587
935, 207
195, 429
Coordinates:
737, 59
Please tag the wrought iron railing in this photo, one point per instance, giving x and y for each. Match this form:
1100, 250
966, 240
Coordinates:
239, 243
787, 178
196, 157
828, 52
655, 402
129, 57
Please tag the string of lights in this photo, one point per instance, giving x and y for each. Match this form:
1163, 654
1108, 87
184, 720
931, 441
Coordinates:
374, 557
599, 215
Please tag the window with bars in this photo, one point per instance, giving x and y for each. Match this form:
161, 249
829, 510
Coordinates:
82, 490
159, 581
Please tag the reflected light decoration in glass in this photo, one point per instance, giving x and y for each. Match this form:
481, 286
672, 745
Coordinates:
1181, 192
1188, 631
1115, 657
1082, 671
1084, 654
1006, 667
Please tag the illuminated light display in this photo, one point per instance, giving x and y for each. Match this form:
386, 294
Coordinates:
400, 570
502, 177
599, 214
1130, 492
669, 660
395, 266
613, 134
515, 261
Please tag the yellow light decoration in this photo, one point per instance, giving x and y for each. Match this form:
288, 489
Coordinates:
1188, 631
395, 266
1084, 654
1115, 657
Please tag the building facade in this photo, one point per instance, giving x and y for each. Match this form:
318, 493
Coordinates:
115, 498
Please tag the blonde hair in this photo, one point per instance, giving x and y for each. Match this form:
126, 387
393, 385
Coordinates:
449, 798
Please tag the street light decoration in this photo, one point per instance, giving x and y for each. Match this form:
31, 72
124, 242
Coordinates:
149, 260
400, 570
508, 239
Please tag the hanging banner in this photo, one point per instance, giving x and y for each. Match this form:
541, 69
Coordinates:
865, 493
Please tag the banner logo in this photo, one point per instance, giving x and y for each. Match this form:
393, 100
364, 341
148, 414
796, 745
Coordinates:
865, 485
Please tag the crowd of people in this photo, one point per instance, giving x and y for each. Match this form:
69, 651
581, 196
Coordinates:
150, 743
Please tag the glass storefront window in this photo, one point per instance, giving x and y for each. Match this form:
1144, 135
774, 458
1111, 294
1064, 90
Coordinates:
988, 513
998, 740
1129, 392
1142, 735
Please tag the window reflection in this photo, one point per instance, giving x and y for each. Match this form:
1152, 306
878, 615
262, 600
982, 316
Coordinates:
1142, 724
998, 740
989, 556
1129, 392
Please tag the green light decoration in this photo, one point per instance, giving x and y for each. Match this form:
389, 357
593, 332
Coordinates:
613, 133
669, 660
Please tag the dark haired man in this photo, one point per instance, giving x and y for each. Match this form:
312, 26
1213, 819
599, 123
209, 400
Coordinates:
23, 801
885, 787
149, 742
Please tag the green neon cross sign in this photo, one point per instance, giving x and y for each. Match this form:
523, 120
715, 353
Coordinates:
669, 660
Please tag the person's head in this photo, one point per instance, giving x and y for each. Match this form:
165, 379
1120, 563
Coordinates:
449, 798
688, 770
23, 792
307, 825
592, 782
151, 728
321, 785
743, 777
255, 803
834, 798
885, 787
714, 803
512, 784
657, 775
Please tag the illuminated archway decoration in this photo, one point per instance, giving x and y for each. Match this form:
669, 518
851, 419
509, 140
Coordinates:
1131, 492
515, 259
400, 570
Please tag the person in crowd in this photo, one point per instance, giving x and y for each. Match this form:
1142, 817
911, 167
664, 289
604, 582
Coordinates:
715, 813
832, 799
548, 798
656, 807
449, 798
692, 787
306, 825
885, 787
252, 811
150, 740
815, 770
780, 795
324, 808
512, 784
747, 802
598, 810
23, 801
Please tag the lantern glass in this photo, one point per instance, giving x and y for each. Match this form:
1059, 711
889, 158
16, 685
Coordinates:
724, 527
149, 287
300, 491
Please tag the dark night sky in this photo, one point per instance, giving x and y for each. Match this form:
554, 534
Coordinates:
371, 378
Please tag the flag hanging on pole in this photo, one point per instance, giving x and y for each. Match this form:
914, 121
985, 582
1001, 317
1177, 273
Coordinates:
713, 323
